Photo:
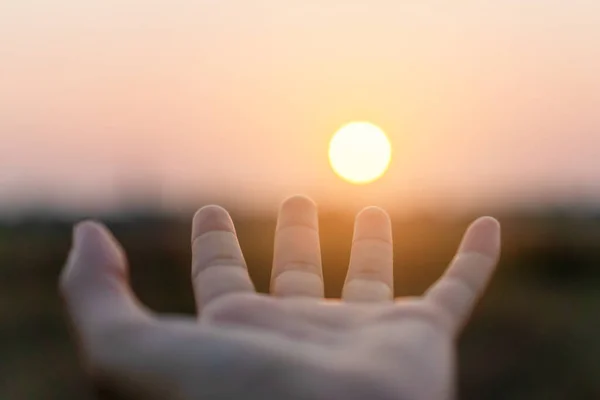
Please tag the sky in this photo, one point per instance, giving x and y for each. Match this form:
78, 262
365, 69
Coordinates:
234, 101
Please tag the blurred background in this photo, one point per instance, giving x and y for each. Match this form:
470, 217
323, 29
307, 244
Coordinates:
139, 112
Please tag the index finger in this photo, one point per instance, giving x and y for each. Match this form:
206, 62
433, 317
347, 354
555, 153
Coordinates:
218, 265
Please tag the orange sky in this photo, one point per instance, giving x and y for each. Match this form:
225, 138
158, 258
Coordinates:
483, 101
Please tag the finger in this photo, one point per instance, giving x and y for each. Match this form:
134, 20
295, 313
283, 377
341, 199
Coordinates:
218, 266
371, 273
297, 267
94, 281
464, 281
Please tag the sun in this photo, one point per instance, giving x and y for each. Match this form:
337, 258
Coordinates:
360, 152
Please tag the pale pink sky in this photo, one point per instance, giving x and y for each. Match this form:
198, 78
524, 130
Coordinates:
483, 101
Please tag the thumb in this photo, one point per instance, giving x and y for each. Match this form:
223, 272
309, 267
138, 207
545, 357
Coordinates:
94, 282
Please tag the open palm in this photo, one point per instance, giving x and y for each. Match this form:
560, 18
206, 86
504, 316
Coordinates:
292, 345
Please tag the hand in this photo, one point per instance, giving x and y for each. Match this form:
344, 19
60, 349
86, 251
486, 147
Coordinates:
292, 345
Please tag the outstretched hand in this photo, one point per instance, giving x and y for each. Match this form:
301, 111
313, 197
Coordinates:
291, 345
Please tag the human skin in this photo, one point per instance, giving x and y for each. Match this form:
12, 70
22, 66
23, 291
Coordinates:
292, 344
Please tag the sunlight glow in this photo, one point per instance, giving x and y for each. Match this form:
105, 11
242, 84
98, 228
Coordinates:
360, 152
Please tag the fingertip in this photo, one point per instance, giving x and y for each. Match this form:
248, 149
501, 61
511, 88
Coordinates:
91, 235
211, 218
373, 214
298, 210
488, 221
95, 252
372, 222
298, 204
483, 237
85, 230
81, 232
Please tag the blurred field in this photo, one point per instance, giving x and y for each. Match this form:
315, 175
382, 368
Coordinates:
535, 335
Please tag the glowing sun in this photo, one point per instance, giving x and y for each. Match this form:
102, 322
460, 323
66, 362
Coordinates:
360, 152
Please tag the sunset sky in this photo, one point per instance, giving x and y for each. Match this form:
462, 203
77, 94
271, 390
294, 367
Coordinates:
233, 100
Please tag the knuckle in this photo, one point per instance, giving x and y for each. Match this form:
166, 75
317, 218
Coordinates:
370, 270
416, 309
302, 266
215, 261
234, 307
